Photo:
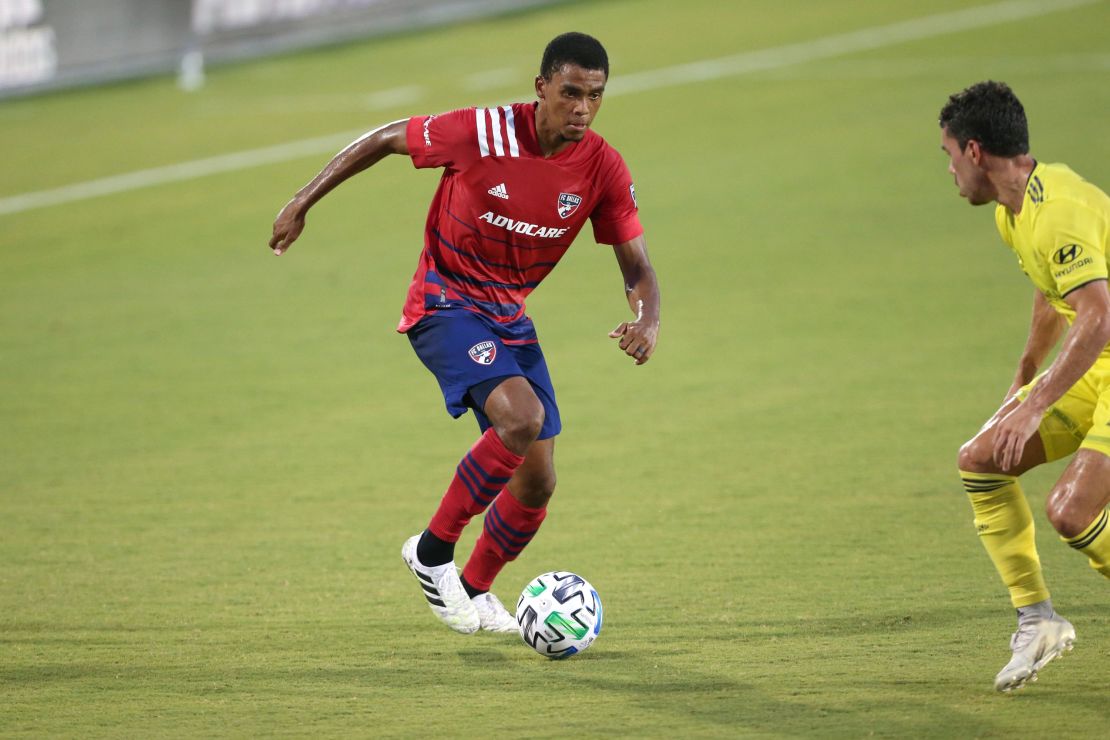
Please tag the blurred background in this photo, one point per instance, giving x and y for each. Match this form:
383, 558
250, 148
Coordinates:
50, 44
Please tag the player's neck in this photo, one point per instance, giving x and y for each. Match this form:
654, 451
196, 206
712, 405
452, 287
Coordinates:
553, 146
547, 135
551, 142
1012, 178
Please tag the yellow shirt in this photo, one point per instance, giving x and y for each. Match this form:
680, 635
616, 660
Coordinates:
1062, 235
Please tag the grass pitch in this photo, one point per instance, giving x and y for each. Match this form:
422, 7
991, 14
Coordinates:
211, 456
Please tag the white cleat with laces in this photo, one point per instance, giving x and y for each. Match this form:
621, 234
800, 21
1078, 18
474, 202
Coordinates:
1035, 645
493, 615
443, 590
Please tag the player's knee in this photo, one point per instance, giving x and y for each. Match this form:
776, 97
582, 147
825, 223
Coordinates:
1065, 513
522, 426
975, 457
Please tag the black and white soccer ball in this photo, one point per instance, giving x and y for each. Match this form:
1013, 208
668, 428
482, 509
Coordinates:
559, 614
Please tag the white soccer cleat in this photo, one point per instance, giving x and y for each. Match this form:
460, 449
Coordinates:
1035, 645
493, 615
444, 591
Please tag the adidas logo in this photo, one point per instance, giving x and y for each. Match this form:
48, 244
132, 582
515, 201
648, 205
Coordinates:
499, 191
431, 593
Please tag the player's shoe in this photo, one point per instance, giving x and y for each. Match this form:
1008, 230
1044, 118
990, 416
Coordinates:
444, 591
1035, 644
493, 615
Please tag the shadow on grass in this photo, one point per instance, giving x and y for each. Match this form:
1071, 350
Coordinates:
902, 673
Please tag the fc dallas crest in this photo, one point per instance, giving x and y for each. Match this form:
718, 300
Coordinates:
483, 353
568, 204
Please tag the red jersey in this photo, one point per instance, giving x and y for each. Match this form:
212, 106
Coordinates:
504, 214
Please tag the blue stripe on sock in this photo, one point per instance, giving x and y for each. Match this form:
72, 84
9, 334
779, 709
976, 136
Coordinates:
500, 538
516, 534
471, 488
481, 471
484, 493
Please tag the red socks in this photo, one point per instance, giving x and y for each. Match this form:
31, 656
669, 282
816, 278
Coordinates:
480, 476
509, 526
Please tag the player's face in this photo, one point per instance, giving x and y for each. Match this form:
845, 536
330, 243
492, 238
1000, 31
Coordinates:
571, 97
963, 165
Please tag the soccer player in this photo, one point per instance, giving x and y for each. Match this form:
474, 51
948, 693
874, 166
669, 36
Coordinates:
519, 182
1058, 226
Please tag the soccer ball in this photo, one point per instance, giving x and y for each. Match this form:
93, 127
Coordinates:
559, 614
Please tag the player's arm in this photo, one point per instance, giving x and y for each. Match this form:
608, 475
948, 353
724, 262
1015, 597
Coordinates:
1045, 331
638, 337
356, 157
1086, 339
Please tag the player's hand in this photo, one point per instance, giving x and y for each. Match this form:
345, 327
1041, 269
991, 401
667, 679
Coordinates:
1013, 433
287, 227
637, 338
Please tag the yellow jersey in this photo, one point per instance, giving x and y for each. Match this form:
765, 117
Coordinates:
1062, 235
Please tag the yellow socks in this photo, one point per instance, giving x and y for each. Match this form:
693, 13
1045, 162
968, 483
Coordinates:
1094, 542
1005, 526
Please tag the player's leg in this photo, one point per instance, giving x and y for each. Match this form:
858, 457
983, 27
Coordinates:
1077, 504
515, 412
489, 466
515, 517
1005, 526
519, 510
470, 362
463, 355
1003, 519
509, 525
480, 479
1076, 507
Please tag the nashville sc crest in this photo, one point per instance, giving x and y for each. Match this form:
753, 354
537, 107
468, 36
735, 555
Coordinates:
568, 204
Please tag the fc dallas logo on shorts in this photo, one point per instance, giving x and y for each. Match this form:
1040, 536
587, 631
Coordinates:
568, 204
483, 353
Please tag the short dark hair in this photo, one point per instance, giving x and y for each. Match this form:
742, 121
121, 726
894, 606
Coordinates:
990, 113
574, 48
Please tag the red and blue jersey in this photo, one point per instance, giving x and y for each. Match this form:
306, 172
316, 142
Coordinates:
504, 215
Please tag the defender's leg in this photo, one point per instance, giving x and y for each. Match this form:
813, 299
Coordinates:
1077, 507
1004, 523
1003, 519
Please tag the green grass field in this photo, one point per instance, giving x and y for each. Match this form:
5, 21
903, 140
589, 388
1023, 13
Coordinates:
209, 457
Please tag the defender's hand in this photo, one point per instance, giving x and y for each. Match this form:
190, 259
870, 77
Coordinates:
287, 227
1013, 432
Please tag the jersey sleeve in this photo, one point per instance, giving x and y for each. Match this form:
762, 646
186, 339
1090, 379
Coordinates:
442, 140
1072, 239
616, 218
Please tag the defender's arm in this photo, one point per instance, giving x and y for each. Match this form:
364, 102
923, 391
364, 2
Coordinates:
1045, 330
355, 157
1086, 339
